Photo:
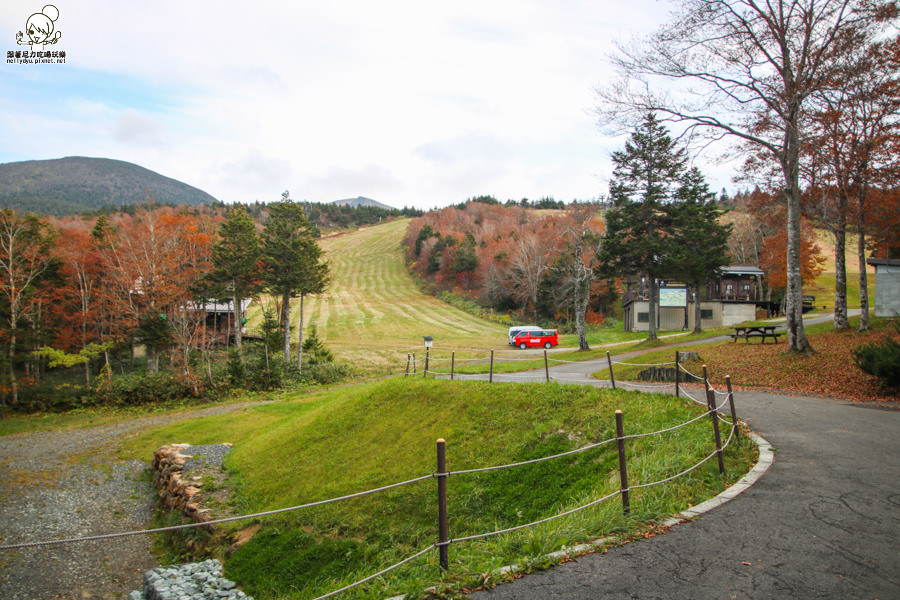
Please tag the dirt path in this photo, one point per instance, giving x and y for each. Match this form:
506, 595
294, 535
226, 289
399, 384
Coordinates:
64, 484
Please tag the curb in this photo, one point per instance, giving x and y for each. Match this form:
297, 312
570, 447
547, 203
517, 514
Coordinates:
766, 458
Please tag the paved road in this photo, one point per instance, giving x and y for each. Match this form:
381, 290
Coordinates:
824, 521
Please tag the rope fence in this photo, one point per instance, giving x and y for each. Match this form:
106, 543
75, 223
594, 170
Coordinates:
494, 359
442, 475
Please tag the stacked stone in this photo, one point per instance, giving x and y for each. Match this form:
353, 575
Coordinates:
174, 491
194, 581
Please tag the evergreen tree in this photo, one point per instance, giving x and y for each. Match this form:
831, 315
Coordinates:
235, 260
700, 245
292, 265
646, 180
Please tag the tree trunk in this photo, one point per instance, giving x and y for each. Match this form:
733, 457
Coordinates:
841, 321
238, 323
13, 383
582, 295
286, 325
651, 311
797, 340
697, 311
863, 282
300, 337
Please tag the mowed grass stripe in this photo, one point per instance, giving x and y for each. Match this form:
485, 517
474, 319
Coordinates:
373, 314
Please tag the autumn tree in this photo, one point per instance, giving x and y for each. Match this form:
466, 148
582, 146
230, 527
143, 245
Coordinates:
581, 236
292, 264
530, 263
852, 154
749, 70
81, 270
155, 259
767, 212
187, 311
26, 254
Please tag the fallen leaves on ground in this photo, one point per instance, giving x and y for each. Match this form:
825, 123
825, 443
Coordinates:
829, 371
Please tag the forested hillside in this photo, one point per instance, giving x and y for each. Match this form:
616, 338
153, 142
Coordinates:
78, 184
128, 308
509, 258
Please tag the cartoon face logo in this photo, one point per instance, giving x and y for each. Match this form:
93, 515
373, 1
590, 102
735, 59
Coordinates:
39, 28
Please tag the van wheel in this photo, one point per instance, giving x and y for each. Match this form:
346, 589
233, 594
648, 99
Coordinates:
548, 345
523, 345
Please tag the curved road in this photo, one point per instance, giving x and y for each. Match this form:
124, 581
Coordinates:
824, 521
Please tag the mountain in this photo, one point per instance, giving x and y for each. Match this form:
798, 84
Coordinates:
362, 201
77, 184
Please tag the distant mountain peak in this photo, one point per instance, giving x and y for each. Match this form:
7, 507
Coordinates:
77, 184
362, 201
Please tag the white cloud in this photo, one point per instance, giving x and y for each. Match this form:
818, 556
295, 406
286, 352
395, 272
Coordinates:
407, 102
136, 129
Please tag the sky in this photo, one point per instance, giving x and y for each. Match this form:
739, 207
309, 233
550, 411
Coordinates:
411, 103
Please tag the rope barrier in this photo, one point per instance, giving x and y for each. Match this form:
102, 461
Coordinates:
635, 436
615, 362
378, 574
540, 522
698, 401
215, 522
697, 377
646, 384
534, 460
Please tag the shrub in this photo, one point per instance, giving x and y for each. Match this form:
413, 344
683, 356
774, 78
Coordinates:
325, 373
881, 359
144, 388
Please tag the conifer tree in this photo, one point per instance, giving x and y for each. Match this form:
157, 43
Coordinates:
235, 260
646, 179
700, 248
292, 263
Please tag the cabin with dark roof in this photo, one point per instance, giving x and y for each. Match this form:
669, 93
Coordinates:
728, 299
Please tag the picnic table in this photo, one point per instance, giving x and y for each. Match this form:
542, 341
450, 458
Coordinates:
761, 331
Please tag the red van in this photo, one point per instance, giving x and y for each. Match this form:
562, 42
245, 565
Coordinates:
534, 339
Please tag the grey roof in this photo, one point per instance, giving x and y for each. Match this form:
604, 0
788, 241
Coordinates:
741, 270
883, 262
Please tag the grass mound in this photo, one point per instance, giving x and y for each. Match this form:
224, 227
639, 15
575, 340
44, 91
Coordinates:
358, 438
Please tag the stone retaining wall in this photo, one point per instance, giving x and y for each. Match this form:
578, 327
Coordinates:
177, 490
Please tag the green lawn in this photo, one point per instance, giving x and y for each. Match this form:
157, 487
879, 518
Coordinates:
352, 439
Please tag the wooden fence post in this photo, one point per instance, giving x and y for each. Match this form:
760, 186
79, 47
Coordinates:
711, 407
677, 375
623, 465
611, 376
443, 529
452, 364
491, 375
546, 367
407, 365
734, 419
425, 372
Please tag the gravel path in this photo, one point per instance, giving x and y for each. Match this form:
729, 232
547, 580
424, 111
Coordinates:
65, 484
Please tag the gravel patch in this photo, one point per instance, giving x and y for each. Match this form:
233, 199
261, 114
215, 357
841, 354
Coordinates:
63, 484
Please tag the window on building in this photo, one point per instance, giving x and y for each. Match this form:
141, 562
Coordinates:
706, 313
643, 317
